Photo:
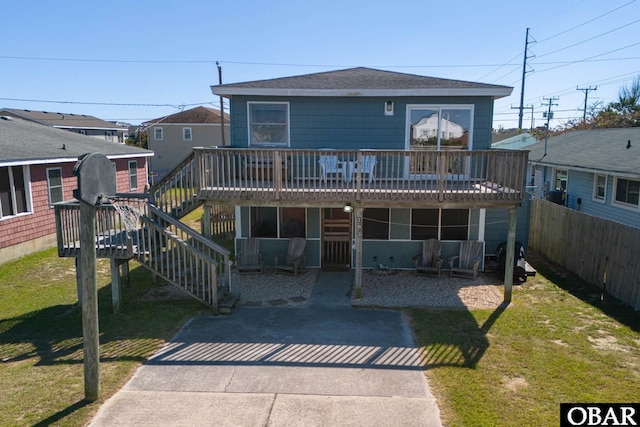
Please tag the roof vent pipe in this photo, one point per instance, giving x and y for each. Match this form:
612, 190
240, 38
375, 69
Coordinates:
628, 144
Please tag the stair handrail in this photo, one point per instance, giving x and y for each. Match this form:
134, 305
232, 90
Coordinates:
154, 210
169, 181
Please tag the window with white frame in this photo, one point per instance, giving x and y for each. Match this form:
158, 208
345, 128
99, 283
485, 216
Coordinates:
375, 224
15, 198
268, 123
440, 127
133, 175
627, 192
599, 187
54, 185
186, 134
158, 134
561, 178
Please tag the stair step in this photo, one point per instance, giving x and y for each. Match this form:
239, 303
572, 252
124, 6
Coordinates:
228, 303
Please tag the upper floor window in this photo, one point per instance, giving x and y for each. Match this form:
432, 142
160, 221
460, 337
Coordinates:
186, 134
158, 134
268, 123
627, 191
54, 182
600, 187
440, 127
14, 191
133, 175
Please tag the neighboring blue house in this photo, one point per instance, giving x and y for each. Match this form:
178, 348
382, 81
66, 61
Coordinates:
336, 158
594, 171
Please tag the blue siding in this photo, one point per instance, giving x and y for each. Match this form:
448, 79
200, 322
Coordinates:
496, 226
354, 122
580, 185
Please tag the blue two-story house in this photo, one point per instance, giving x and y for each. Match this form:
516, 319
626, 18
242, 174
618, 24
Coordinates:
594, 171
364, 164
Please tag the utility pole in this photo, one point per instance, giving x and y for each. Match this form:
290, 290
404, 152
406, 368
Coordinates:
221, 104
528, 107
586, 91
549, 115
524, 73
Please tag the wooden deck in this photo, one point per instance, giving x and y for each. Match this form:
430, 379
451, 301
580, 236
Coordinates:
488, 178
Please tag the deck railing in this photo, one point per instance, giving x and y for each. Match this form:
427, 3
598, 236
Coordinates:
233, 174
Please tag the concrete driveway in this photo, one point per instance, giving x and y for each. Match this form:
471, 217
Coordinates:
324, 364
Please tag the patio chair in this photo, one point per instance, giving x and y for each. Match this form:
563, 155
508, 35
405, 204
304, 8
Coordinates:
367, 166
430, 261
295, 257
467, 262
329, 165
249, 258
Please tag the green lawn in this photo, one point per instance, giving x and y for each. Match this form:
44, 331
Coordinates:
557, 342
41, 374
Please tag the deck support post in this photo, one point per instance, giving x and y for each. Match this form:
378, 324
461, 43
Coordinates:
358, 211
125, 272
206, 220
89, 291
511, 247
116, 284
79, 281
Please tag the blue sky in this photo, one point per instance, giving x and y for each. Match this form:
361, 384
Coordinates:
138, 60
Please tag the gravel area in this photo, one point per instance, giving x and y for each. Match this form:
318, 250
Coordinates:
388, 288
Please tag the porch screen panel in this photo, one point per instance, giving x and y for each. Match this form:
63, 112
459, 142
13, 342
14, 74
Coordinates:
375, 224
455, 224
424, 224
264, 222
292, 223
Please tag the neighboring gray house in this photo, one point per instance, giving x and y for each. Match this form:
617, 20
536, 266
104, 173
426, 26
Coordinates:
77, 123
594, 171
173, 137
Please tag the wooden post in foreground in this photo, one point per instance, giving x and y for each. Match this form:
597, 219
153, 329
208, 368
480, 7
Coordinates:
358, 211
511, 248
91, 345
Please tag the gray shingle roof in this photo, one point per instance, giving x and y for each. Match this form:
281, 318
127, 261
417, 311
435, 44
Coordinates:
24, 142
62, 120
595, 150
361, 81
197, 115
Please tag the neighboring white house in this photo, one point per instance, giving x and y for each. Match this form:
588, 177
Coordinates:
428, 128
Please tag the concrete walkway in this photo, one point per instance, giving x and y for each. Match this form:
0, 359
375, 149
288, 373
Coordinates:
324, 364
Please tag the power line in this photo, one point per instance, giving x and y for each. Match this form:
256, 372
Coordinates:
586, 22
178, 106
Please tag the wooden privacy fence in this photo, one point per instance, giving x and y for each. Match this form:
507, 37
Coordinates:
223, 222
600, 251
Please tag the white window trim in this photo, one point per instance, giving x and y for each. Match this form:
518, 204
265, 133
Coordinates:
622, 205
439, 107
155, 134
49, 185
595, 197
555, 175
26, 172
130, 175
288, 143
440, 224
278, 220
184, 134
